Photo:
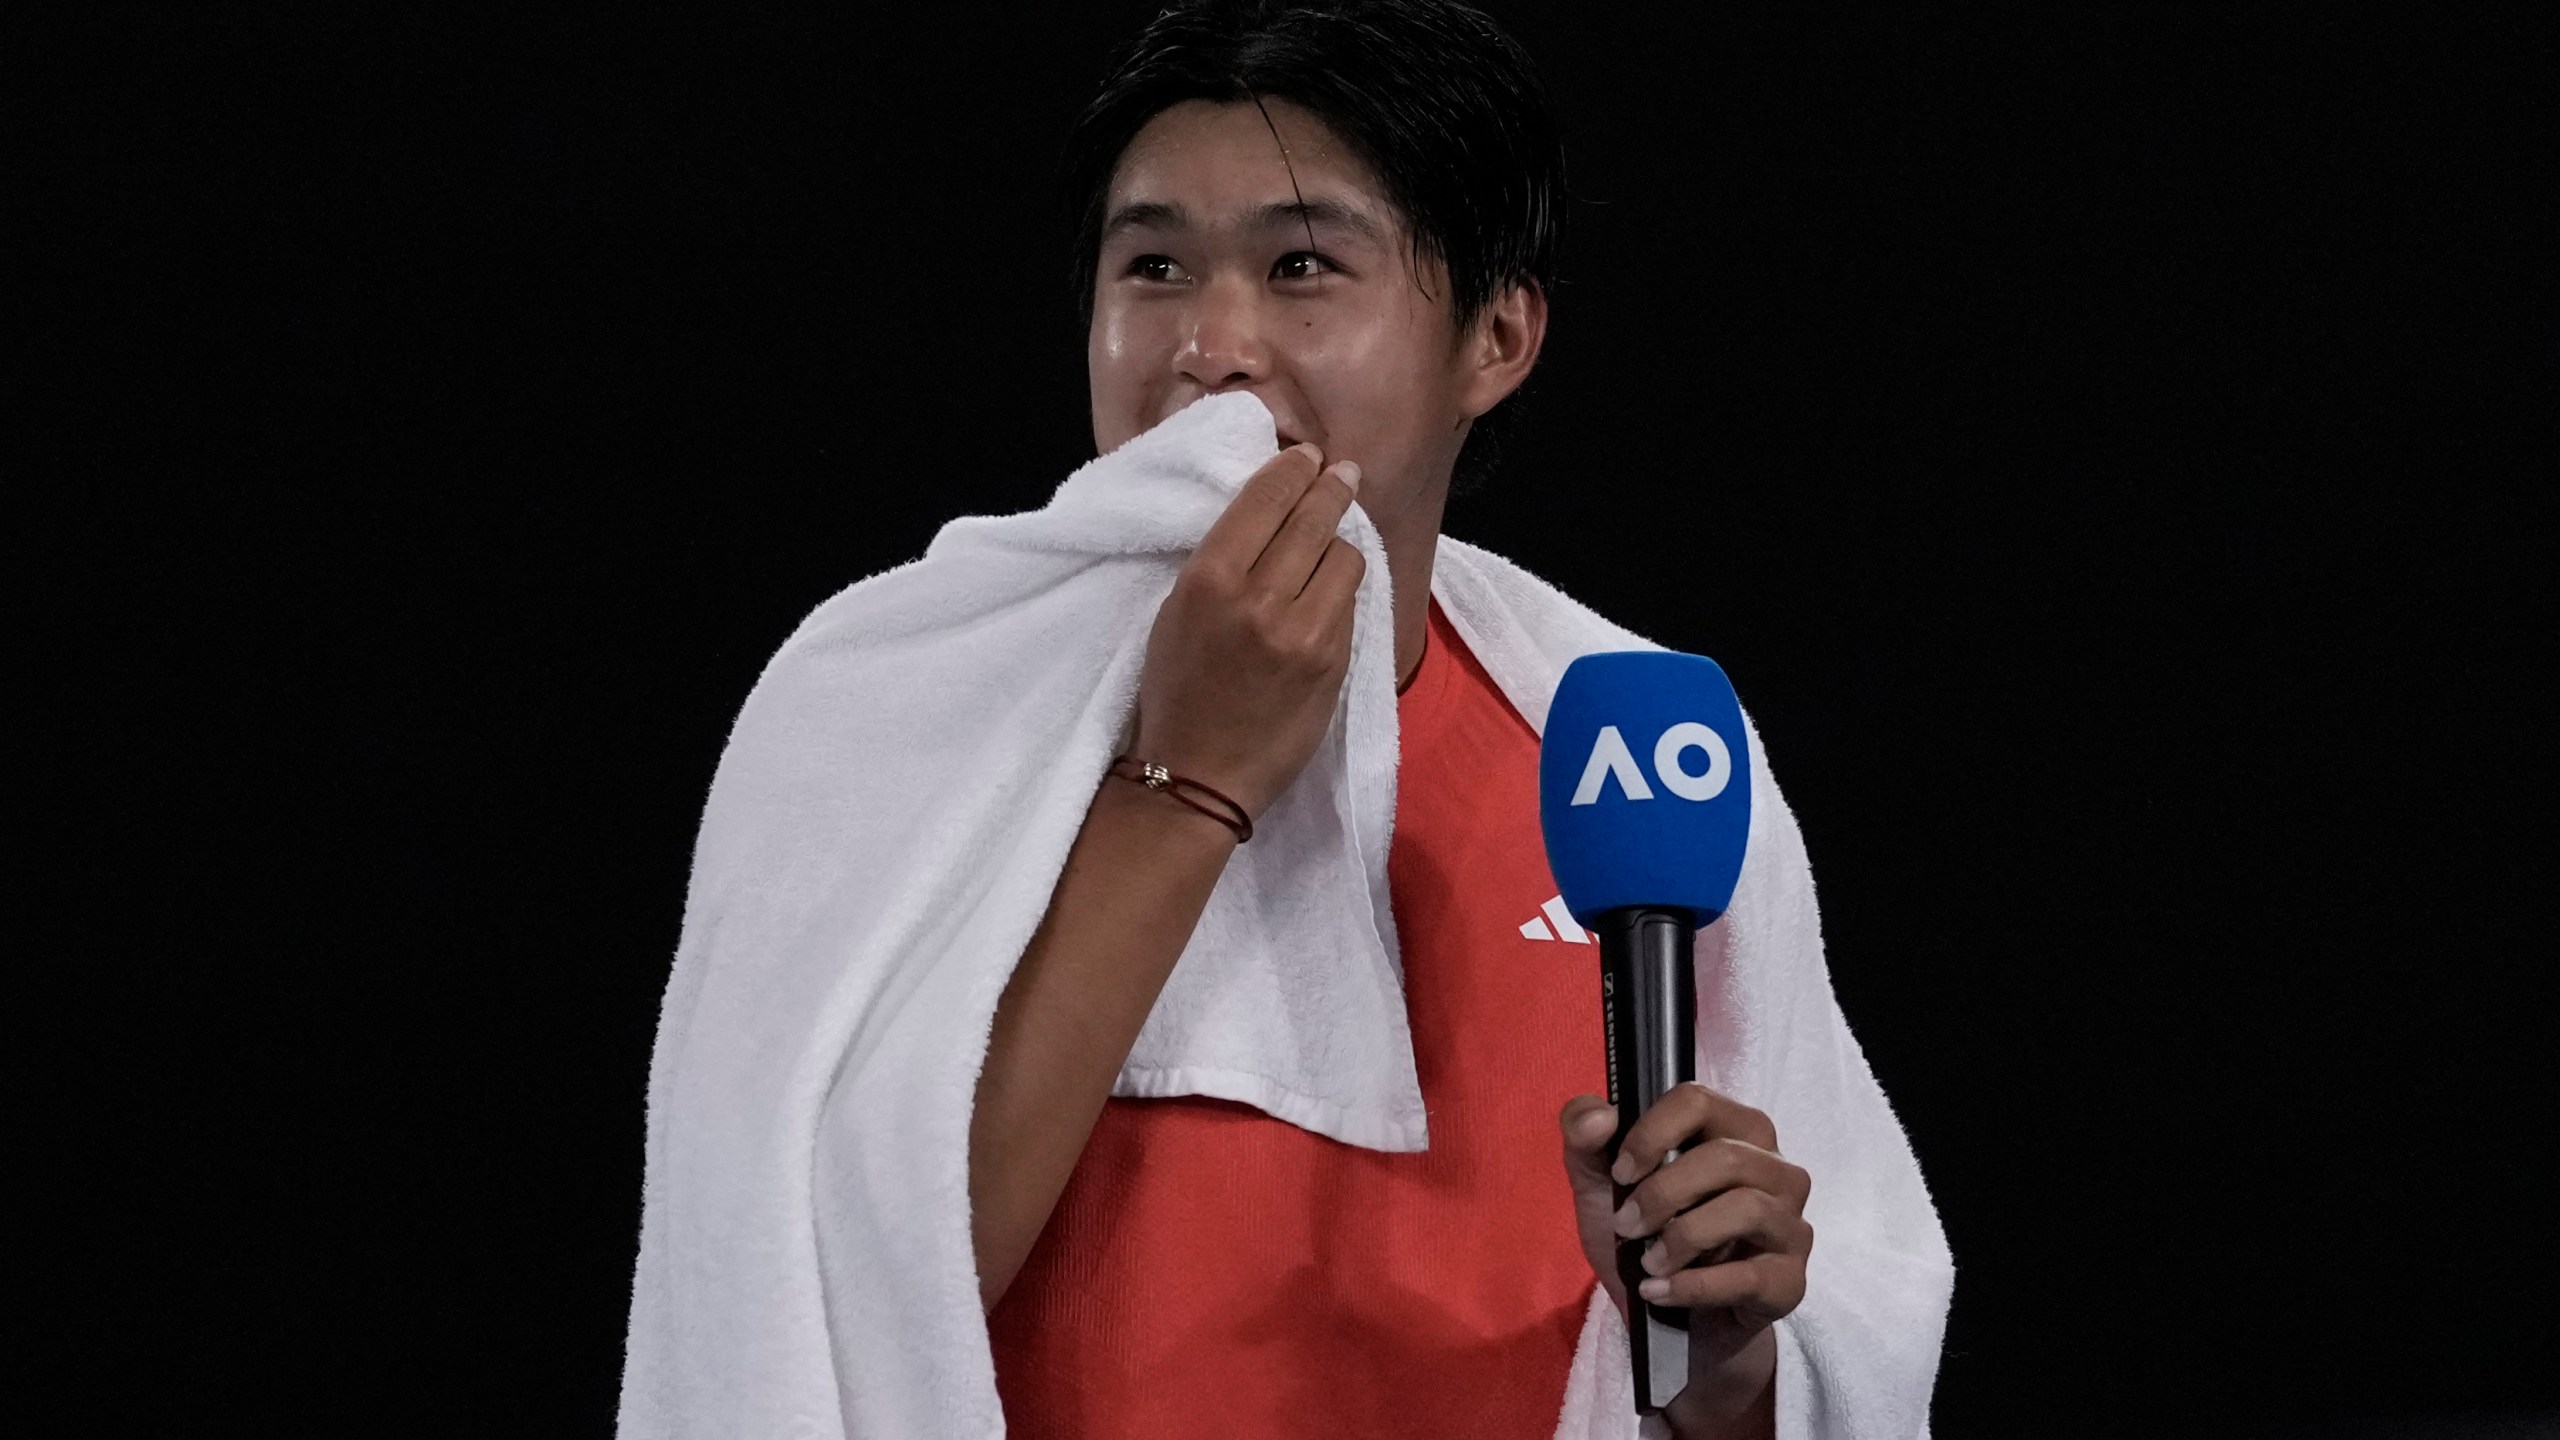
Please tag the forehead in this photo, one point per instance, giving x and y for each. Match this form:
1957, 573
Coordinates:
1225, 162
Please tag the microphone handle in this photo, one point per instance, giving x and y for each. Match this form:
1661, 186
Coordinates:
1649, 996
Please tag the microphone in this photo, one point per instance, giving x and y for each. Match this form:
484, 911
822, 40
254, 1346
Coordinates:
1644, 794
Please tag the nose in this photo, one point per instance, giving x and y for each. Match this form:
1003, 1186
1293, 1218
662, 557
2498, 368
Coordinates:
1224, 348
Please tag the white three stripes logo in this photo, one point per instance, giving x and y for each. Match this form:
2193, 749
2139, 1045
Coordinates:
1565, 930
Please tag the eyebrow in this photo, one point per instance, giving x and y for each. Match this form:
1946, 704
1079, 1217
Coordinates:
1283, 214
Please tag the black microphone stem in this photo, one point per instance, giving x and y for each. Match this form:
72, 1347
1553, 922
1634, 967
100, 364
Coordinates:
1649, 994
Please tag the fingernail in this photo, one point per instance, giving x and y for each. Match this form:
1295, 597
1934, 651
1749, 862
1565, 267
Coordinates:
1350, 473
1655, 1289
1656, 1260
1598, 1124
1627, 1222
1624, 1172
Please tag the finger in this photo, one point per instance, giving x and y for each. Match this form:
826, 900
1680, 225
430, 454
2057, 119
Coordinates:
1237, 537
1334, 587
1763, 1287
1706, 1169
1686, 1112
1299, 544
1587, 1123
1753, 1219
1586, 1126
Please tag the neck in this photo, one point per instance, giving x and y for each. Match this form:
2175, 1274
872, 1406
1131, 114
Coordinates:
1411, 539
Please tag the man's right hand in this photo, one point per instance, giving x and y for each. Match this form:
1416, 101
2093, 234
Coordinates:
1242, 671
1249, 650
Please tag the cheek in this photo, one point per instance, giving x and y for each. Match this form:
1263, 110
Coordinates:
1118, 366
1368, 386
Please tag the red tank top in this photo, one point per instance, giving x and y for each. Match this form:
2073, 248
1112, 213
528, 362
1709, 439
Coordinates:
1213, 1271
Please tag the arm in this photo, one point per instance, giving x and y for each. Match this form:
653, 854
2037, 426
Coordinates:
1242, 672
1132, 890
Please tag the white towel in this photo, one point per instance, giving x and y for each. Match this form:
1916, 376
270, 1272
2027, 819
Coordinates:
894, 806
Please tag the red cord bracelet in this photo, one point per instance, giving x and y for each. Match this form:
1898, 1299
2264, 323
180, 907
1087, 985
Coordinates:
1157, 778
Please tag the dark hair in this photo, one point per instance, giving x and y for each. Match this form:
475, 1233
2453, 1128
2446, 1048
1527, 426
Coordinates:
1444, 108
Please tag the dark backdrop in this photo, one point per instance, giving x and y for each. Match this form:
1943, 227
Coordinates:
2098, 448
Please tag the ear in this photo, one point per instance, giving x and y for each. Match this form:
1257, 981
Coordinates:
1501, 346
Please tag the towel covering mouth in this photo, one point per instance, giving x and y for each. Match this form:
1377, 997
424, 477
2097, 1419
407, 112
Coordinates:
1290, 995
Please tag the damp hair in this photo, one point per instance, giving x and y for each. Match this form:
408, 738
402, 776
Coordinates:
1443, 107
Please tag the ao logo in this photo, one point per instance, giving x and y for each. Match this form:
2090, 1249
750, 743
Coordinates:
1610, 757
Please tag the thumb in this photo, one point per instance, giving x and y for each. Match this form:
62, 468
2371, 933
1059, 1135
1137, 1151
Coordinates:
1589, 1123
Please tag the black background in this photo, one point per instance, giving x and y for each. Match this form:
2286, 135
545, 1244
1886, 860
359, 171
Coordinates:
2102, 450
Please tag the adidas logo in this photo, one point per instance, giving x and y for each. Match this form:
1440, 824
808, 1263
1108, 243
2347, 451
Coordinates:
1564, 930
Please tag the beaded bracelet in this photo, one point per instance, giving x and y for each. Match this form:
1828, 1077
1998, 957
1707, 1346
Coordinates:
1157, 778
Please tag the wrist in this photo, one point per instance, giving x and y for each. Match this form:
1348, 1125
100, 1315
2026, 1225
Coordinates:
1186, 790
1732, 1398
1165, 814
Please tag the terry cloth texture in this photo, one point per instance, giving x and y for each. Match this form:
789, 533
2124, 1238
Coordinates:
893, 808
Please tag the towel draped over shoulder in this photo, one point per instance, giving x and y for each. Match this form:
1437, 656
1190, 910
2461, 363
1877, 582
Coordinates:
892, 811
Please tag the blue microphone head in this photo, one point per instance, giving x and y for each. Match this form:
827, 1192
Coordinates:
1644, 784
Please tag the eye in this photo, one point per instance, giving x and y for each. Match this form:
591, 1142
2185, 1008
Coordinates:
1159, 268
1301, 265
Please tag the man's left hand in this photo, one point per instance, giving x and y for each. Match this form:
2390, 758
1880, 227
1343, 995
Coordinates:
1730, 1240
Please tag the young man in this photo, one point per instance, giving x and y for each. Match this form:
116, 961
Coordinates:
1349, 212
